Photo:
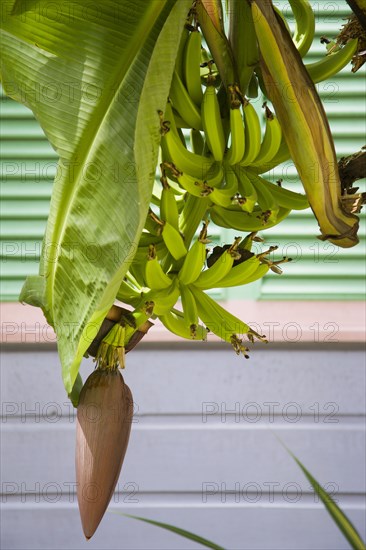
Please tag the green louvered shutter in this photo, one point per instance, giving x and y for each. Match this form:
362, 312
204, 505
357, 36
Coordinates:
319, 270
28, 167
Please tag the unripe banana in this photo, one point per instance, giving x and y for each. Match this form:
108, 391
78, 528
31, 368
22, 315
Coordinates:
128, 295
331, 64
168, 204
174, 241
266, 200
243, 42
174, 151
155, 277
190, 311
246, 190
181, 49
191, 67
239, 274
304, 25
194, 211
137, 270
164, 299
183, 103
244, 221
197, 142
211, 277
235, 152
253, 136
195, 186
284, 197
175, 323
261, 270
222, 323
282, 155
224, 196
194, 260
212, 124
271, 140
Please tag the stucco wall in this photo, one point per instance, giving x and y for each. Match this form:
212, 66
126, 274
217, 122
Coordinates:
203, 453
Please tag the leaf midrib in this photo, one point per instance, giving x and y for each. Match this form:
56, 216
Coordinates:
96, 124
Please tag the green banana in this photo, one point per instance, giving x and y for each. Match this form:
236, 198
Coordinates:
248, 195
168, 205
191, 66
222, 323
239, 274
137, 270
175, 323
266, 200
155, 277
217, 42
173, 241
194, 260
236, 150
183, 103
190, 311
253, 135
332, 63
194, 211
174, 151
127, 294
305, 126
271, 140
282, 155
304, 25
244, 221
224, 196
181, 49
243, 41
164, 299
211, 277
197, 187
142, 252
146, 238
197, 142
284, 197
212, 124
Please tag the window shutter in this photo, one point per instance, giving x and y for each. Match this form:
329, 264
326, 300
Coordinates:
319, 270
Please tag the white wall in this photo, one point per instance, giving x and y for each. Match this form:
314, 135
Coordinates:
318, 397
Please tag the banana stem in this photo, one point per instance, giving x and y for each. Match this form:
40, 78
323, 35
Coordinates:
219, 46
359, 9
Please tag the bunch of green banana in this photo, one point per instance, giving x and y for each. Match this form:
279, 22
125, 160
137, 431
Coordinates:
214, 173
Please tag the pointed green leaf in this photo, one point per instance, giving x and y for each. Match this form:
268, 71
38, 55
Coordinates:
342, 521
182, 532
95, 75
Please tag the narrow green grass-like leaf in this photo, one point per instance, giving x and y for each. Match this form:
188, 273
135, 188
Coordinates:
182, 532
342, 521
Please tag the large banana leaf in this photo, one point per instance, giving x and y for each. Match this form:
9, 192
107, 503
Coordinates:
95, 75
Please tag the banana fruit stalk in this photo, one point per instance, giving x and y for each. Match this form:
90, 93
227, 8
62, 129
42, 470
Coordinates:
304, 125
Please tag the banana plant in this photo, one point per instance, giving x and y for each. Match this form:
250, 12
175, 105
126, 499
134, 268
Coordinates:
109, 66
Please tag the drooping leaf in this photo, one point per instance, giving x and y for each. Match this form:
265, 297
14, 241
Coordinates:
95, 75
178, 531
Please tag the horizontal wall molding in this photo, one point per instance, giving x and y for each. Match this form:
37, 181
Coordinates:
281, 321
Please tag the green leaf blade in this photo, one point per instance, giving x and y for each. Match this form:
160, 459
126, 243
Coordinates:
178, 531
97, 67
